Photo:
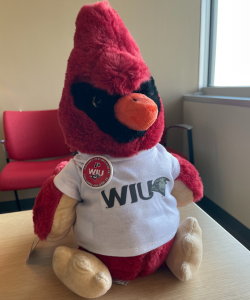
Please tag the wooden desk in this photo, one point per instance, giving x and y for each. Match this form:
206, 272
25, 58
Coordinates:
224, 273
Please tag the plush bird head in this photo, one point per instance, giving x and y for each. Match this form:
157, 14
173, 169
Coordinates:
110, 104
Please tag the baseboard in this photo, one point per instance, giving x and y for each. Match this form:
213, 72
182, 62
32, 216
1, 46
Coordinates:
11, 206
232, 225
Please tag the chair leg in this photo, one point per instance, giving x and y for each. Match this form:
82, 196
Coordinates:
17, 201
190, 146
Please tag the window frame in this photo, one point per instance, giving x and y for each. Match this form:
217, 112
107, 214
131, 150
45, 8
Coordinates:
208, 32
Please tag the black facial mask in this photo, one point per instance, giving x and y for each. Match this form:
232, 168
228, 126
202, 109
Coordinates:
99, 106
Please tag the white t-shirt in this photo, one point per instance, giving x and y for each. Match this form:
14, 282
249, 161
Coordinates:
135, 213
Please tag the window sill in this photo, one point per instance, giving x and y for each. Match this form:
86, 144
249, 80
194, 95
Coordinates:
229, 91
222, 100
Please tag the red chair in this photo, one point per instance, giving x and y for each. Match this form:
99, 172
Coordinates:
190, 141
31, 136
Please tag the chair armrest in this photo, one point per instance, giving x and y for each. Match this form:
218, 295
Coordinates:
4, 148
183, 126
190, 138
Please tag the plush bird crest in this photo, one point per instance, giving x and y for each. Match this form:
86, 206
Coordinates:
109, 57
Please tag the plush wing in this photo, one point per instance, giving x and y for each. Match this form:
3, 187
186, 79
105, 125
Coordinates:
54, 212
188, 186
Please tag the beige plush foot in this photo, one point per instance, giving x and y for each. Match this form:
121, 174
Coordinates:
81, 272
185, 255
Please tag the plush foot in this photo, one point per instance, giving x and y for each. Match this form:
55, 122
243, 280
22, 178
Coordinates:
81, 272
185, 255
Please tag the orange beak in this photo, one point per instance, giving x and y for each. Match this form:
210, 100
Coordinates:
136, 111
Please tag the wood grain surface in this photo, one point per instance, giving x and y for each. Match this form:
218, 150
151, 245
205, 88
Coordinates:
224, 273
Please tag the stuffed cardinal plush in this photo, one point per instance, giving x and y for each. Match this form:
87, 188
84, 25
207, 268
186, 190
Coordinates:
121, 191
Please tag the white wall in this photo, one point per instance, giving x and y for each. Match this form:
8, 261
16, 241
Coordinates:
221, 147
36, 38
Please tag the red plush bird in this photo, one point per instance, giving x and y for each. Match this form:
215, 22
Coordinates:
122, 189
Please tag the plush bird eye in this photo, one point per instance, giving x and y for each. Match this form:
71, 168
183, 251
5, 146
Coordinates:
96, 102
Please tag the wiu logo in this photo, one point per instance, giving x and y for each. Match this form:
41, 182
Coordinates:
95, 173
158, 186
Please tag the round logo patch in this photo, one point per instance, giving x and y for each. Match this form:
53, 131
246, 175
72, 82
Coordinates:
97, 172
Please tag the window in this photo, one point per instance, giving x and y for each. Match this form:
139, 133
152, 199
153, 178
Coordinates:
225, 48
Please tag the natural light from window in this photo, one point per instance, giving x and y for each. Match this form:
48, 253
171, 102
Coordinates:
232, 58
